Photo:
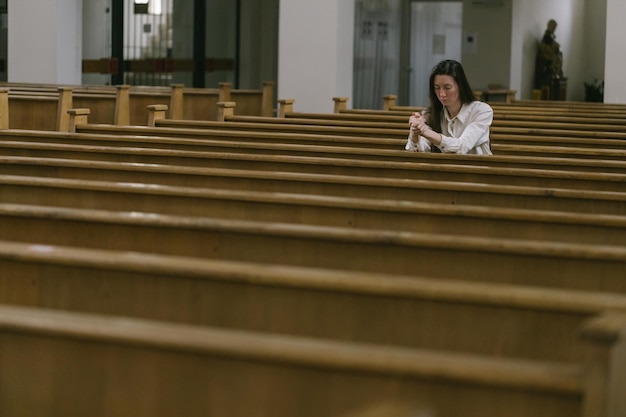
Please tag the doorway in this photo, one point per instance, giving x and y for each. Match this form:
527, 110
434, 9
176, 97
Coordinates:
160, 42
435, 35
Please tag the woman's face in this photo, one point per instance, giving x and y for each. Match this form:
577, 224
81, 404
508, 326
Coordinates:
446, 89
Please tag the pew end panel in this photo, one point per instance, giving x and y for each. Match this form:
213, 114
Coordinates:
606, 371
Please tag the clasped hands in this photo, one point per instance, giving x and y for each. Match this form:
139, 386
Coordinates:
418, 125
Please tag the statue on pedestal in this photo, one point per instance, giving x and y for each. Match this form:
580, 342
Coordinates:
549, 61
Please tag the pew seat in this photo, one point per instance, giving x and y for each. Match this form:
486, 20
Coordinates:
238, 159
64, 363
558, 199
385, 158
317, 210
529, 262
492, 319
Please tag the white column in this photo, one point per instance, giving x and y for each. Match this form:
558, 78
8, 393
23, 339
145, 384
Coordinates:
315, 51
44, 41
615, 63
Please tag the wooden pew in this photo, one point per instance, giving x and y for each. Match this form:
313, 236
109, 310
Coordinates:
497, 320
96, 149
353, 152
541, 263
571, 131
505, 129
502, 132
560, 151
601, 120
503, 116
559, 104
263, 144
536, 106
46, 109
583, 201
500, 115
510, 135
32, 105
77, 364
594, 145
240, 160
317, 210
272, 124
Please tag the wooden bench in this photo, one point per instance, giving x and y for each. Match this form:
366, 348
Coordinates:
586, 105
579, 119
504, 124
401, 133
497, 320
416, 170
560, 151
585, 148
502, 132
317, 210
541, 263
594, 118
78, 364
385, 248
32, 106
259, 144
393, 126
584, 201
389, 104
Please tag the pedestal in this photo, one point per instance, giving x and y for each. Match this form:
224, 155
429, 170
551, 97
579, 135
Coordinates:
557, 90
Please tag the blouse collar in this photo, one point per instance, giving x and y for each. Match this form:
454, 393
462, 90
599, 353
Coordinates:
462, 115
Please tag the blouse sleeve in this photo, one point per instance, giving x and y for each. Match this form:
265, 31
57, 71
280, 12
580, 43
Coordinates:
422, 145
476, 131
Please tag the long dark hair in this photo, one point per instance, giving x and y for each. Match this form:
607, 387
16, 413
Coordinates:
466, 95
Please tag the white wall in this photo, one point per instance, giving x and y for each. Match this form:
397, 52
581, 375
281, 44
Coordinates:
315, 52
51, 32
615, 63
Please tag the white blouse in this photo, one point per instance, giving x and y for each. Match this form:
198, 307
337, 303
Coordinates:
467, 133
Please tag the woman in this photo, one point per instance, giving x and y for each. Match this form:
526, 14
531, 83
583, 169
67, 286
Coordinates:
455, 122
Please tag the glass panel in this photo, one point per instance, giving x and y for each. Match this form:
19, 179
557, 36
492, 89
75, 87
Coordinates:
221, 42
148, 42
376, 51
435, 36
208, 41
97, 67
164, 42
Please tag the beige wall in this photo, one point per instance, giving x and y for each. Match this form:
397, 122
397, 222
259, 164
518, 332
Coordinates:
490, 63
